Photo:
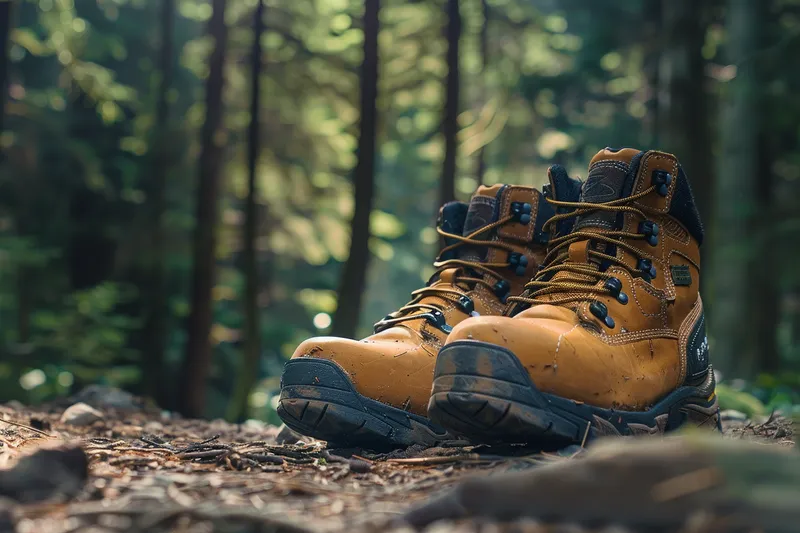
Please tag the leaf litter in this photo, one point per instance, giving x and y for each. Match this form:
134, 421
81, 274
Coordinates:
156, 473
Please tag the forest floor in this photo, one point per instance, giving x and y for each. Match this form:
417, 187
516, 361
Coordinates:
148, 472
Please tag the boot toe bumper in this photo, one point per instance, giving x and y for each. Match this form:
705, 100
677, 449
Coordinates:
395, 372
319, 400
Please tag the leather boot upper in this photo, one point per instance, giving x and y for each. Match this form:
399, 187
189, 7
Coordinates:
491, 248
614, 316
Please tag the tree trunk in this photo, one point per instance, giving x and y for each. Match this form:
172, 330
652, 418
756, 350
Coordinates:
682, 102
354, 275
197, 360
155, 327
764, 288
5, 30
248, 371
484, 47
654, 46
447, 184
735, 192
24, 303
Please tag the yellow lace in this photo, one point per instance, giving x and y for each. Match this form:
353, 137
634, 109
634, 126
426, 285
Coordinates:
582, 278
412, 309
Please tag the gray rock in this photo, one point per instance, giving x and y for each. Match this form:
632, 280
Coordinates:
102, 397
15, 405
153, 427
81, 414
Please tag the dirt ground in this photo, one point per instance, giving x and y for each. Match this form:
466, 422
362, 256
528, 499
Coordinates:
150, 472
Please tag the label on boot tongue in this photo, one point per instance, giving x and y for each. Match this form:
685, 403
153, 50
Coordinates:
481, 212
605, 183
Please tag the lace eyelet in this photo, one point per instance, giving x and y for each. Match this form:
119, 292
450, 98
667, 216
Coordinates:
521, 211
437, 320
381, 324
501, 290
600, 310
648, 270
650, 230
614, 287
518, 262
466, 305
662, 180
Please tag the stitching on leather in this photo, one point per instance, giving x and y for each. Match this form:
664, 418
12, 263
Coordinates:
657, 293
669, 286
681, 236
635, 336
624, 338
611, 163
601, 223
696, 332
494, 306
635, 287
558, 344
678, 252
645, 287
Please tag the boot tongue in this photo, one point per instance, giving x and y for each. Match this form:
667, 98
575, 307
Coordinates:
609, 179
561, 188
483, 210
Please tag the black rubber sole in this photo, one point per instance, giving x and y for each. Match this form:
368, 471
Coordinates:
482, 392
318, 400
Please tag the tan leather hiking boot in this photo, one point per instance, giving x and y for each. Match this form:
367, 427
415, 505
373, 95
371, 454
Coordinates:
609, 337
374, 392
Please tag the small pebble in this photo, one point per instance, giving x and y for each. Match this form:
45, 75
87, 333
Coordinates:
80, 414
731, 414
154, 427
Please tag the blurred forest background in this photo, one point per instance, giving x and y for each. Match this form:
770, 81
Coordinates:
180, 179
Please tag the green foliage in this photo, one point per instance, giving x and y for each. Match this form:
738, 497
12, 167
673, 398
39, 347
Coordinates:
766, 394
90, 333
738, 400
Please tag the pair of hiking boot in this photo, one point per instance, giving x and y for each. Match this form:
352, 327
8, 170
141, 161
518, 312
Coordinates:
553, 317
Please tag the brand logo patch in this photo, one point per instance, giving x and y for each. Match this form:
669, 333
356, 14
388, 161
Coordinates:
701, 353
598, 192
697, 350
681, 275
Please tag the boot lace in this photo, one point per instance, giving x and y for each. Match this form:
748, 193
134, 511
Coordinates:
466, 277
582, 278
